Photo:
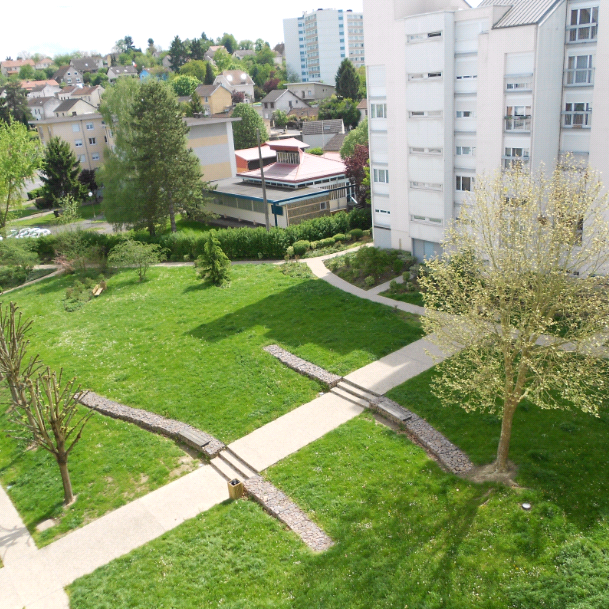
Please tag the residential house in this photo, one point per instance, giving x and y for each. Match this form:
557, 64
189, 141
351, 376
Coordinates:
88, 64
281, 99
215, 98
307, 113
66, 92
277, 58
248, 159
91, 95
43, 64
211, 52
69, 75
241, 53
363, 109
40, 88
311, 91
211, 139
43, 107
299, 186
120, 71
87, 135
236, 80
11, 67
318, 133
74, 107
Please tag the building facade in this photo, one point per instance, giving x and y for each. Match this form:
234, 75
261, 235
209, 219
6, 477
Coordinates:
317, 43
455, 92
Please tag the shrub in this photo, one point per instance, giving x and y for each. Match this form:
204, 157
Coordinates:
18, 256
289, 253
356, 233
314, 245
301, 247
360, 218
316, 151
213, 264
394, 285
81, 292
367, 232
369, 281
339, 237
398, 265
135, 254
329, 242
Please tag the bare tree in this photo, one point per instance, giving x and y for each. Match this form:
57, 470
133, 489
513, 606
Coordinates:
519, 291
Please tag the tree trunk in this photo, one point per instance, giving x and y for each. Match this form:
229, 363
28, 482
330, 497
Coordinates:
65, 478
172, 218
506, 435
8, 202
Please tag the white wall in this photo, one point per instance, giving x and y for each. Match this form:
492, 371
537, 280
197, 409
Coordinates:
292, 45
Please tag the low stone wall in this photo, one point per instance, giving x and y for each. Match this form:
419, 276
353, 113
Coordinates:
278, 504
303, 367
449, 455
177, 430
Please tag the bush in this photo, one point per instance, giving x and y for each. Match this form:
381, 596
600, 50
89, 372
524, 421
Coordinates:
316, 151
329, 242
289, 253
19, 256
398, 265
314, 245
394, 285
361, 218
367, 233
339, 237
356, 233
369, 281
135, 254
301, 247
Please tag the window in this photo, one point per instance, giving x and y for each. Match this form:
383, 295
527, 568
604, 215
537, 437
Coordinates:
467, 77
518, 118
515, 156
519, 86
423, 37
435, 151
427, 220
578, 116
466, 151
465, 183
89, 126
106, 139
584, 24
78, 143
426, 186
95, 156
465, 114
425, 114
425, 76
378, 110
92, 141
76, 128
69, 81
82, 158
381, 175
579, 70
289, 158
323, 206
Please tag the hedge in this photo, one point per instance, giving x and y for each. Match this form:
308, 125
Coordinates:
237, 243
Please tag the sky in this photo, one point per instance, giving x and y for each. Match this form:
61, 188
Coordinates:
67, 25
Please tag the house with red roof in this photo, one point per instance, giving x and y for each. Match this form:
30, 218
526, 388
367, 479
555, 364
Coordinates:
299, 186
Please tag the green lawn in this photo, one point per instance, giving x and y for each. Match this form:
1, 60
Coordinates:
415, 298
86, 213
409, 535
191, 352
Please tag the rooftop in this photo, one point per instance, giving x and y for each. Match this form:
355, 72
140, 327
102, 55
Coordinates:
319, 127
236, 77
251, 154
523, 12
69, 119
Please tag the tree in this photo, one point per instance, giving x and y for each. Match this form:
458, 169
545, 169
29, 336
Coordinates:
246, 45
26, 72
356, 172
333, 108
129, 46
88, 180
13, 107
151, 48
197, 50
237, 97
347, 81
209, 74
358, 136
20, 157
178, 54
213, 264
60, 169
196, 106
270, 85
363, 88
194, 68
224, 61
229, 42
508, 293
259, 45
280, 118
244, 132
132, 253
184, 86
41, 407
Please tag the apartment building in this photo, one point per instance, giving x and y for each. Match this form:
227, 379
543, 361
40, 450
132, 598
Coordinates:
455, 92
317, 42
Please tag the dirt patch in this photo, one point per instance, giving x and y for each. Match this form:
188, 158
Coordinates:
188, 463
488, 473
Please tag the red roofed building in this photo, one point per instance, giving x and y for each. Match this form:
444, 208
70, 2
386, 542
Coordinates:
300, 186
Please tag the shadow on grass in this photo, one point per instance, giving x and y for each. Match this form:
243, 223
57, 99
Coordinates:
561, 453
314, 312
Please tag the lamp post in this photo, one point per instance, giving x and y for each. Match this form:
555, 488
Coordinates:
91, 199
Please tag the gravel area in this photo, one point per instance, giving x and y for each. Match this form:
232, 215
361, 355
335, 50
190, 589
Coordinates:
177, 430
303, 367
278, 504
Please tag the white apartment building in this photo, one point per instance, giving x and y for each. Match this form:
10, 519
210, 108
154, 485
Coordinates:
455, 92
317, 43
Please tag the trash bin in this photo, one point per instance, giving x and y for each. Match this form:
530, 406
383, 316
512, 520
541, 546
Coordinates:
235, 489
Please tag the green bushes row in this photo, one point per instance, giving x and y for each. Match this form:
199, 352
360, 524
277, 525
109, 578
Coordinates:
235, 242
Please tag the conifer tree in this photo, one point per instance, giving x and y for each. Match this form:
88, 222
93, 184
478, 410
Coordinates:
347, 81
60, 170
178, 54
209, 74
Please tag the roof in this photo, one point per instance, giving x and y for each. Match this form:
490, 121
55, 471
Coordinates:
275, 95
237, 77
69, 89
61, 72
243, 53
86, 64
213, 49
39, 101
69, 119
67, 104
300, 112
194, 122
287, 144
122, 70
251, 154
320, 127
363, 105
37, 85
207, 90
86, 90
311, 167
17, 63
312, 82
523, 12
236, 187
336, 143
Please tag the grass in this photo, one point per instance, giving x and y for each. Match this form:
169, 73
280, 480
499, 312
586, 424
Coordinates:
183, 224
339, 246
113, 463
415, 298
86, 213
408, 535
12, 278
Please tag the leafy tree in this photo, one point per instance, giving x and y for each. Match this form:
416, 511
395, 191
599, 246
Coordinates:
62, 59
260, 44
246, 45
224, 61
244, 132
280, 119
270, 85
20, 157
184, 85
129, 46
359, 135
229, 42
508, 294
60, 169
13, 107
132, 253
88, 180
356, 165
194, 68
209, 74
151, 48
237, 97
347, 81
99, 78
213, 264
334, 108
197, 50
26, 72
178, 54
70, 210
363, 89
265, 56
